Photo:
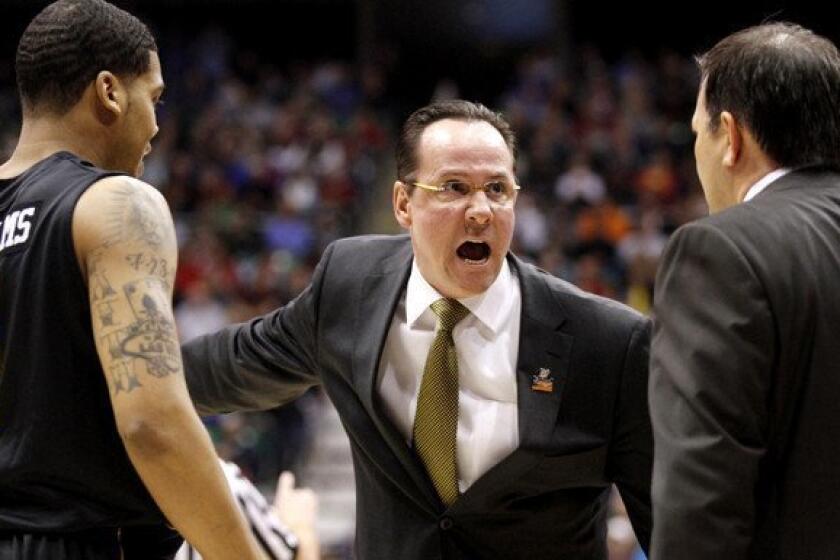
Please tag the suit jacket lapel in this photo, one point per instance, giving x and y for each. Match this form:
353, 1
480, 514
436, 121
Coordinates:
378, 299
543, 350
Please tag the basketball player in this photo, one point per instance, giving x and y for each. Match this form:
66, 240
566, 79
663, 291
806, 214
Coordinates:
97, 433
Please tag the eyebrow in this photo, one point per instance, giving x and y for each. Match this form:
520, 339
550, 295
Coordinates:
463, 173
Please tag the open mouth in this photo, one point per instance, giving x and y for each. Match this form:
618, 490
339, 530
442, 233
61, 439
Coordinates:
474, 252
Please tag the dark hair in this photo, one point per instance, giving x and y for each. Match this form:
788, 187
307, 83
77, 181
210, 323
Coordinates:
458, 109
782, 82
69, 43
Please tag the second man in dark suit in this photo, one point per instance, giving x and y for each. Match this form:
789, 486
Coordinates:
745, 375
489, 405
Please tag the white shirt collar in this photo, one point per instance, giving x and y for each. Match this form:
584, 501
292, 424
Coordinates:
765, 181
420, 295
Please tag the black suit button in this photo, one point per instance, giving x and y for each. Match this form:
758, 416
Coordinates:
445, 524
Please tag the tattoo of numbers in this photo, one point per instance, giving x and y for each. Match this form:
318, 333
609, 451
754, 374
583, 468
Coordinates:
150, 264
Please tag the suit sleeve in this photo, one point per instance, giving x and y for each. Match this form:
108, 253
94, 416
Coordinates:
631, 449
712, 353
259, 364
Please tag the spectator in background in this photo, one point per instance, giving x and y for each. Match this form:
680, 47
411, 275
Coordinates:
199, 312
531, 233
580, 184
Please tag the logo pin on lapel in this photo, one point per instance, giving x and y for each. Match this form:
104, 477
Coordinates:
542, 381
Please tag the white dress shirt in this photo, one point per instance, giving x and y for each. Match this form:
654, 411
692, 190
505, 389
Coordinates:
487, 344
764, 182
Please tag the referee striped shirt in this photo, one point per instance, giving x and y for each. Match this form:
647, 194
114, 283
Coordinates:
276, 539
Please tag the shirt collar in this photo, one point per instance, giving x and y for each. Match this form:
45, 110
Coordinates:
765, 181
487, 306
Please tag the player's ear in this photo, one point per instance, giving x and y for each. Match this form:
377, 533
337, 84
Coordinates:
110, 96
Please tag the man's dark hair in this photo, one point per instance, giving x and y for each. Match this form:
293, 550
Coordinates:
458, 109
782, 82
69, 43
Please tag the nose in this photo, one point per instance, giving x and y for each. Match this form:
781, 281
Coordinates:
479, 211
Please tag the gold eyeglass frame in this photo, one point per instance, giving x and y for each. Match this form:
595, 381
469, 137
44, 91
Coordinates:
473, 188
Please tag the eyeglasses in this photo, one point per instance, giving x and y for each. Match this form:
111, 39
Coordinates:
498, 191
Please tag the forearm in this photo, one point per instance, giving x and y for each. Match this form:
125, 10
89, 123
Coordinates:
175, 459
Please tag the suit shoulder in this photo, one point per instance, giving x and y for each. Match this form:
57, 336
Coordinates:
354, 257
582, 305
745, 229
799, 201
376, 243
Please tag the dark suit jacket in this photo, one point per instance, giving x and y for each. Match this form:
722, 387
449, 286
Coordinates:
745, 379
545, 500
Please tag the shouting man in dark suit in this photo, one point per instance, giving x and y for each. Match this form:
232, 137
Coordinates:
489, 405
745, 376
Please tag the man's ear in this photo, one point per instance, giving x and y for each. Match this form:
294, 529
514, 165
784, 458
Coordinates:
734, 139
110, 95
402, 205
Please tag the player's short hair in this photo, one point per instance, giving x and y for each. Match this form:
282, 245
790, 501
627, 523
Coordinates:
458, 109
782, 82
68, 43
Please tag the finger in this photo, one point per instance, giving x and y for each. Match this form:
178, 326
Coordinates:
285, 484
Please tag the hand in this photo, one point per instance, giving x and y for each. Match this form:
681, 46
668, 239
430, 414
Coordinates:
297, 508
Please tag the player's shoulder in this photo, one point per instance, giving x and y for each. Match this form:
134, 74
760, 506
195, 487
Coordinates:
116, 189
120, 208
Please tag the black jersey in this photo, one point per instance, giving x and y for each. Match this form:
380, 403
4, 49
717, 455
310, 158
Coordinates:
63, 466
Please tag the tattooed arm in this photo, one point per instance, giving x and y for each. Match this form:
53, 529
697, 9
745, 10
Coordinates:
125, 243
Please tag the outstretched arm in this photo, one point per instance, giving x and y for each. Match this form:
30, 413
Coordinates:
125, 243
260, 364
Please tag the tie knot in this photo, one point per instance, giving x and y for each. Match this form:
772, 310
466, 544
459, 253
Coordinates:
449, 312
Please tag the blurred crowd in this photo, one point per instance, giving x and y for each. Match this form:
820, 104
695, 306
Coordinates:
264, 165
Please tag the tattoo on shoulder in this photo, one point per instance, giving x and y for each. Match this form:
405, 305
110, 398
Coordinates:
134, 216
148, 344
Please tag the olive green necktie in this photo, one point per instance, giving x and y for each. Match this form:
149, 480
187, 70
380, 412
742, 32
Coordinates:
436, 421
